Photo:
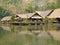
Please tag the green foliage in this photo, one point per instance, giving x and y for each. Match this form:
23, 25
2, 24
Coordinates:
52, 20
12, 28
22, 6
13, 18
51, 6
29, 9
58, 3
37, 8
4, 12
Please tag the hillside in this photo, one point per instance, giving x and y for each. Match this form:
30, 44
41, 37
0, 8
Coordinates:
27, 6
19, 6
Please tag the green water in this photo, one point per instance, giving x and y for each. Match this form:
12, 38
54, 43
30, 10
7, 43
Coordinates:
29, 35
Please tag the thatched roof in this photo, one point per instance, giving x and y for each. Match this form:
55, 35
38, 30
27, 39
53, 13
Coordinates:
7, 18
28, 15
37, 14
55, 14
43, 14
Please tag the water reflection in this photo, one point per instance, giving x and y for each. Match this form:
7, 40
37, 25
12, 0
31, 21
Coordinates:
29, 35
30, 27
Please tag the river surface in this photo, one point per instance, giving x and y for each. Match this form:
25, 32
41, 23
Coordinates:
30, 34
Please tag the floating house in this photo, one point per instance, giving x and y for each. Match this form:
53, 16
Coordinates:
35, 17
55, 15
6, 19
30, 17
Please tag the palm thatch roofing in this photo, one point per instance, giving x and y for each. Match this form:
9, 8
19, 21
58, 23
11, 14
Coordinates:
7, 18
44, 14
55, 14
37, 14
28, 15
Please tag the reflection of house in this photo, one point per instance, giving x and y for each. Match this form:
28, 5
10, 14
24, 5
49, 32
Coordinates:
55, 34
55, 14
45, 35
5, 27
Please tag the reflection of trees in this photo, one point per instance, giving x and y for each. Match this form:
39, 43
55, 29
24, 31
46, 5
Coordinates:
35, 27
42, 37
43, 34
12, 28
3, 32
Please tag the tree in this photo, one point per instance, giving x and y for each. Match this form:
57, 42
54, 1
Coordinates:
51, 6
29, 9
58, 3
13, 18
4, 12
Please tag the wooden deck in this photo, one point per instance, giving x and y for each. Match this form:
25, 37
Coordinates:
24, 23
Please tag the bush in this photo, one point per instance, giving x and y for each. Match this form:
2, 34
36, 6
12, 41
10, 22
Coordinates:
4, 12
13, 18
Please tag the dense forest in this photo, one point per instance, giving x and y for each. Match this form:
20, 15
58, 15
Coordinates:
12, 7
